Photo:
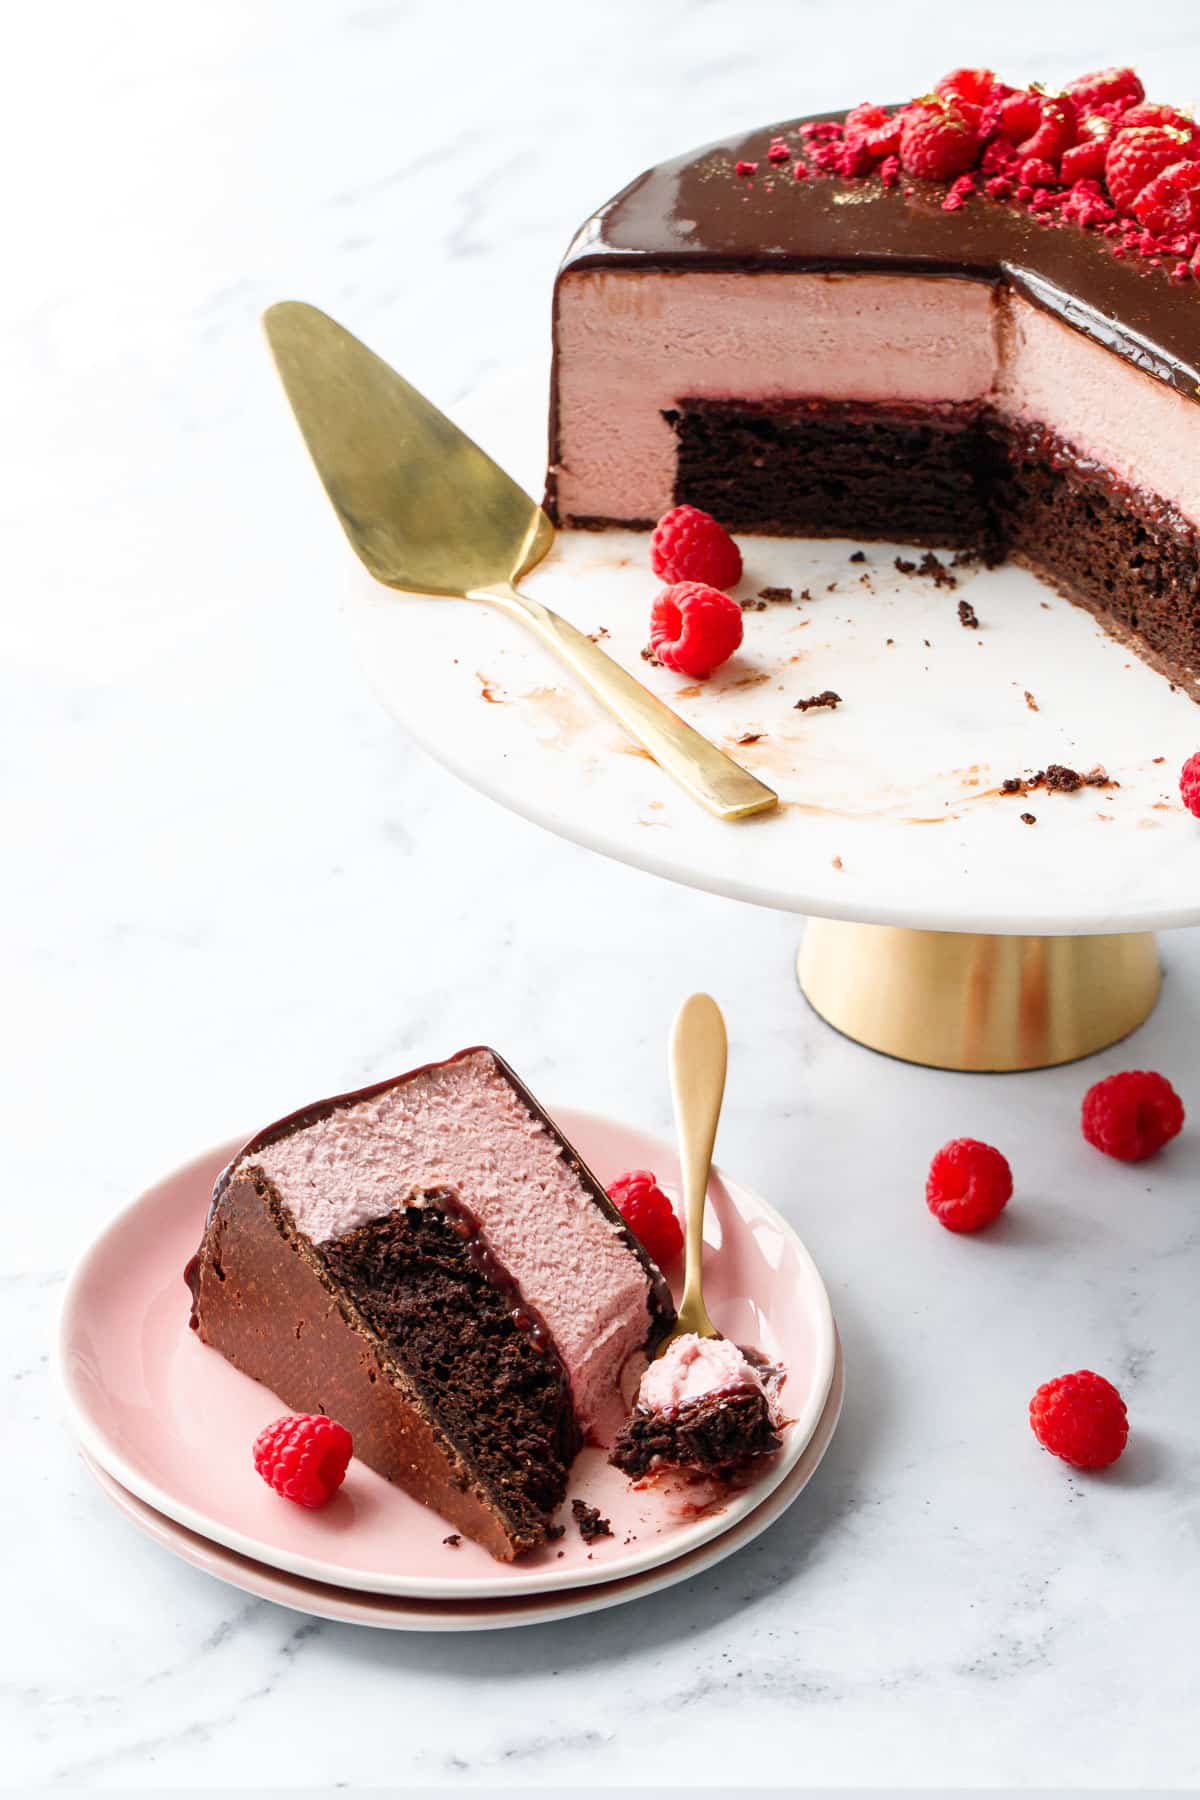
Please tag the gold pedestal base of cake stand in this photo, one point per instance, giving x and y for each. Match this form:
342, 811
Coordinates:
960, 1000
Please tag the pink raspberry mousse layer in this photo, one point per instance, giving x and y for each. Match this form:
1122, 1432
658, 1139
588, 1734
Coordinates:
633, 346
694, 1367
461, 1125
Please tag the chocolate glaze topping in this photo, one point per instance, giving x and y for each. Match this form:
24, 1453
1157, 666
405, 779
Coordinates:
697, 213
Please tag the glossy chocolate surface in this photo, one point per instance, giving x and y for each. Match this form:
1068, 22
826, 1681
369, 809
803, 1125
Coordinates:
698, 213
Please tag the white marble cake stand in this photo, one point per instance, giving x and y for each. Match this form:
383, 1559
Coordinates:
996, 943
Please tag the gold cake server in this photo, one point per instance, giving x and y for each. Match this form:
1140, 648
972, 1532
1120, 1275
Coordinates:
429, 513
699, 1052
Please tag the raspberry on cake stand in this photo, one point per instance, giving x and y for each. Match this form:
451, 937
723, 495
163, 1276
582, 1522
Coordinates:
962, 913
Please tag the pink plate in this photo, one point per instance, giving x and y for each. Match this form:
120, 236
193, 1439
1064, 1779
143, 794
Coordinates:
173, 1422
398, 1612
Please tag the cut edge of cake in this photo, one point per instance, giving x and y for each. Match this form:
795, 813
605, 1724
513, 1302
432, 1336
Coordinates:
268, 1298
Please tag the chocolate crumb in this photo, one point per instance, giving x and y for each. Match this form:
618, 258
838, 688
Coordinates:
600, 632
929, 566
890, 642
832, 588
648, 655
1030, 702
858, 556
1061, 780
937, 571
865, 578
1056, 778
590, 1522
828, 698
555, 1531
750, 737
1028, 819
753, 605
454, 1540
838, 863
806, 593
967, 615
964, 559
776, 593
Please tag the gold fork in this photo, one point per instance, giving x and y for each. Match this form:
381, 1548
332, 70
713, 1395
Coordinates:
698, 1056
429, 513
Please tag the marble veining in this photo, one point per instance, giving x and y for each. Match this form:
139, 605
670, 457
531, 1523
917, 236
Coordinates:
231, 885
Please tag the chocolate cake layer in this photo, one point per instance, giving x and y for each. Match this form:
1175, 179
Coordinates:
451, 1318
836, 469
716, 1434
968, 477
1127, 558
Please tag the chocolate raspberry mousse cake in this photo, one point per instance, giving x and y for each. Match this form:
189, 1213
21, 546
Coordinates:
429, 1262
703, 1407
973, 321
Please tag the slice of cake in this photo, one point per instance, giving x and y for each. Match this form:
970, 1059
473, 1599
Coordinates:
429, 1262
704, 1407
972, 322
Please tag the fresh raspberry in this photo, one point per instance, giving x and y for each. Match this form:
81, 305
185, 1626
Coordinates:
871, 134
969, 1184
1131, 1115
689, 545
936, 140
648, 1213
1084, 161
1104, 88
1039, 125
1189, 777
694, 628
1137, 154
1171, 202
1080, 1417
970, 90
303, 1456
1171, 118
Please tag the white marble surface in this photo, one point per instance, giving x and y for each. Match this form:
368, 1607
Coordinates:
230, 885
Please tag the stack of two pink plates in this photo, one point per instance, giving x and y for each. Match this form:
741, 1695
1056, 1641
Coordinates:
165, 1425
